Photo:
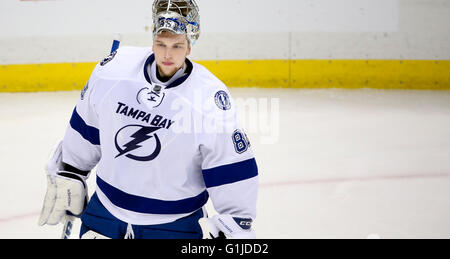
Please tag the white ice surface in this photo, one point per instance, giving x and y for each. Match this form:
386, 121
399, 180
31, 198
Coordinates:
347, 164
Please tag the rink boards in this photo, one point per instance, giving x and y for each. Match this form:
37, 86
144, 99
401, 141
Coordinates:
379, 74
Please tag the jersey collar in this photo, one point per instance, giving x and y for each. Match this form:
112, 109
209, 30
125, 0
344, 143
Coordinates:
175, 83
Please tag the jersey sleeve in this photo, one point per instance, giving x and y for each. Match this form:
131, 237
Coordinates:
81, 143
229, 167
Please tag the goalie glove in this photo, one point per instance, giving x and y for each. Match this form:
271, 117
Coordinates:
66, 192
227, 226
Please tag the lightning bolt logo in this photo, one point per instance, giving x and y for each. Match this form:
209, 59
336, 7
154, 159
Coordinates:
140, 136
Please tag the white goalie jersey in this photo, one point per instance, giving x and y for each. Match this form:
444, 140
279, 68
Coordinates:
161, 151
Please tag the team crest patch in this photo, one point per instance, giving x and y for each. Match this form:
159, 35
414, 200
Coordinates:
108, 58
222, 100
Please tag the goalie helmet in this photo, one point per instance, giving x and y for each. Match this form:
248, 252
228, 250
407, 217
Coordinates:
177, 16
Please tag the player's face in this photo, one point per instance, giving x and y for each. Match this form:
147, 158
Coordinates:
170, 52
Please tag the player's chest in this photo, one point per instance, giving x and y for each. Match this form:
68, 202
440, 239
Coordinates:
139, 103
142, 123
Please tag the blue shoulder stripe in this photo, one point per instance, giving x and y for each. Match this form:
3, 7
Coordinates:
153, 206
89, 133
230, 173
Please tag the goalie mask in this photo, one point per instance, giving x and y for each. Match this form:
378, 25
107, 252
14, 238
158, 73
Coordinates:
177, 16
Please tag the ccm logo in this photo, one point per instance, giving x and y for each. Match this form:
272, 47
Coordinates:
246, 223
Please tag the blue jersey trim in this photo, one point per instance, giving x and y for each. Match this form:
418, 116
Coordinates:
152, 206
89, 133
230, 173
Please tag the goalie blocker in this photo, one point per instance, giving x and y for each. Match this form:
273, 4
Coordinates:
227, 227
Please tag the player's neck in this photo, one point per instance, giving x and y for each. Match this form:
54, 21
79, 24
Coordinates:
159, 77
165, 78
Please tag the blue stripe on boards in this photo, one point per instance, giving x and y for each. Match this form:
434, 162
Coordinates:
230, 173
89, 133
153, 206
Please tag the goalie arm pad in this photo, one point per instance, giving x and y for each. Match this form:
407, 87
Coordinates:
56, 164
66, 193
227, 226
